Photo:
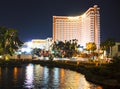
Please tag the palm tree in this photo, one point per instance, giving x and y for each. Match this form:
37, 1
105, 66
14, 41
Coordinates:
103, 46
57, 47
68, 49
110, 43
65, 49
74, 47
9, 41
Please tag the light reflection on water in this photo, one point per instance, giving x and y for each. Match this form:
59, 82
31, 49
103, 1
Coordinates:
28, 83
38, 77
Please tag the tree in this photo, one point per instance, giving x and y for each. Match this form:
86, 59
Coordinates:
65, 49
57, 48
91, 47
9, 41
110, 43
36, 51
107, 45
103, 46
71, 48
74, 47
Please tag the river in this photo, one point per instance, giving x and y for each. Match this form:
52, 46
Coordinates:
35, 76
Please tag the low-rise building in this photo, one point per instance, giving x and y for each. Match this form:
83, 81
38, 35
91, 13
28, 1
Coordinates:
43, 44
116, 49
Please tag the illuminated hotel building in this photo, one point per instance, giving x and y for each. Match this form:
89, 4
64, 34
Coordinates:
85, 28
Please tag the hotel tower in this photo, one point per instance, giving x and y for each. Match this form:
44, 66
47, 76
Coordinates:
85, 28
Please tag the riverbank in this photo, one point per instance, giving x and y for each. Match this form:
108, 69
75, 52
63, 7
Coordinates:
88, 70
93, 73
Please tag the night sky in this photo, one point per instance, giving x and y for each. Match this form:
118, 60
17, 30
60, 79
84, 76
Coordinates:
33, 18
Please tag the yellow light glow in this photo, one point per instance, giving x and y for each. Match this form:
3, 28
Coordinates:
73, 18
38, 41
0, 56
7, 57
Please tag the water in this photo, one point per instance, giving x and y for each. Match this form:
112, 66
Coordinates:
39, 77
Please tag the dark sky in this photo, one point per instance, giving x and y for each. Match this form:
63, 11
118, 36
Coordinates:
33, 18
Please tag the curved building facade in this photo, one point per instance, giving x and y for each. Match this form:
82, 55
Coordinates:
85, 28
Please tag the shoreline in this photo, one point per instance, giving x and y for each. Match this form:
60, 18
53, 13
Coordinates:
106, 84
72, 65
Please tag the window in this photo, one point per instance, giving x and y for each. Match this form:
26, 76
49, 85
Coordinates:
118, 48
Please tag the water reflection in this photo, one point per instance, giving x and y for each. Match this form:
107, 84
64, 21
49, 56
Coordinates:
38, 77
15, 70
73, 80
0, 72
62, 75
29, 76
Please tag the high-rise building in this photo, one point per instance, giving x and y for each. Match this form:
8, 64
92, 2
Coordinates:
85, 28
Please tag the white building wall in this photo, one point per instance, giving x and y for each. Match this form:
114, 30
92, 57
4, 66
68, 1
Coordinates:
115, 49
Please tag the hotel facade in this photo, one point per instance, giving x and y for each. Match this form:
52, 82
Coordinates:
85, 28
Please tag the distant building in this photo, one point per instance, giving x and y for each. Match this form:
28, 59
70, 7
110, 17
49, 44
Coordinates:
38, 43
116, 49
85, 28
43, 44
